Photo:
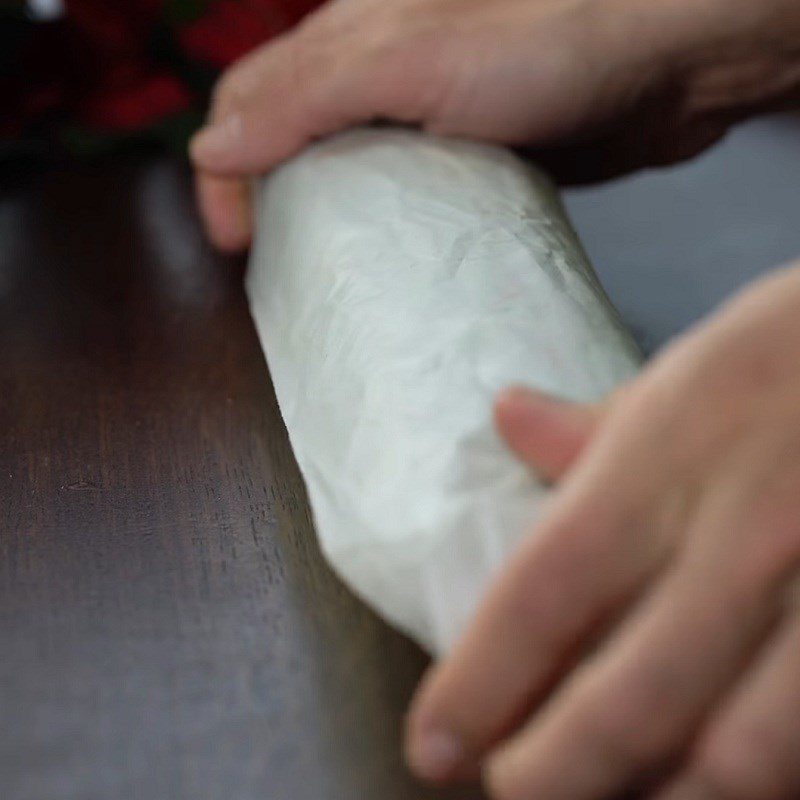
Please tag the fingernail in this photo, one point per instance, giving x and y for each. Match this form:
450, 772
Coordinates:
217, 138
435, 756
522, 402
235, 231
526, 395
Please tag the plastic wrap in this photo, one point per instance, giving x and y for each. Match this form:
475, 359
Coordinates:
397, 282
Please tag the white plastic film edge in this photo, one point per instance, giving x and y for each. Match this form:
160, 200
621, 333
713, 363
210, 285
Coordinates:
398, 281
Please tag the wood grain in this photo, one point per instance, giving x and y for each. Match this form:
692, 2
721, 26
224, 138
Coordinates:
168, 629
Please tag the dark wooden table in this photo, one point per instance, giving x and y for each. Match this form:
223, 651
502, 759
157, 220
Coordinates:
168, 629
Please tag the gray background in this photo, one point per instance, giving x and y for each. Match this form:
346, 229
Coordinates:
670, 244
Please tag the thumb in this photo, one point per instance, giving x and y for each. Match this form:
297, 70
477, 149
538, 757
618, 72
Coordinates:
309, 83
548, 434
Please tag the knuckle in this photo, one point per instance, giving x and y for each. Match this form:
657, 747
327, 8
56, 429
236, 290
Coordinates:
769, 543
309, 64
242, 80
326, 41
652, 395
543, 581
536, 606
566, 575
620, 731
228, 93
633, 724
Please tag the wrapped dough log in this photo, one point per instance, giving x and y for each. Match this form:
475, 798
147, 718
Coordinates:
398, 281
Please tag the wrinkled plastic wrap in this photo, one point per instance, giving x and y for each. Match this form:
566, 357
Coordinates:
397, 282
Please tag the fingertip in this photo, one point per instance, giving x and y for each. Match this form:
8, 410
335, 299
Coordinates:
518, 404
418, 716
544, 431
434, 750
226, 212
231, 231
229, 243
513, 396
525, 402
435, 756
520, 412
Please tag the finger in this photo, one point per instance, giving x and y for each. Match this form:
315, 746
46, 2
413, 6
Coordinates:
225, 209
307, 84
751, 751
546, 433
592, 553
224, 203
630, 708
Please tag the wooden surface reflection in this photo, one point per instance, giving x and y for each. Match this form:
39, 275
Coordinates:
168, 629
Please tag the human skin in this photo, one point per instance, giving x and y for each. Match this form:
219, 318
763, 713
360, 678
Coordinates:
596, 87
669, 557
643, 634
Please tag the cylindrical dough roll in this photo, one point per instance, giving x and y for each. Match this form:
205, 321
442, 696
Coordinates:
398, 281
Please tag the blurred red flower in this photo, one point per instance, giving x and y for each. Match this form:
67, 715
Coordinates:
120, 66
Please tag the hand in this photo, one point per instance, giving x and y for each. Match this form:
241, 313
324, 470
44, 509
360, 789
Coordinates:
599, 86
648, 632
